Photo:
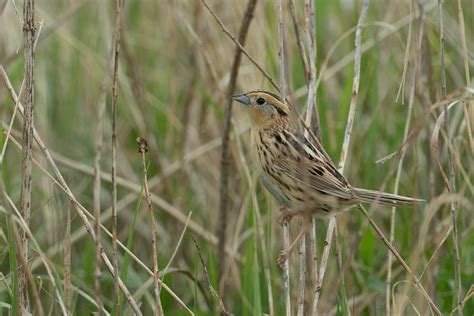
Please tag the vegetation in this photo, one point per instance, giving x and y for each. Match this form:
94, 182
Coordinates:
173, 77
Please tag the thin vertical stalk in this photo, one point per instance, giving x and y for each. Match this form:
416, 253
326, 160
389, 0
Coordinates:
312, 117
29, 30
118, 26
452, 174
345, 148
282, 89
225, 155
142, 149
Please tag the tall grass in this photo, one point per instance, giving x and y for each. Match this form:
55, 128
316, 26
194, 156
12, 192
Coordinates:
174, 70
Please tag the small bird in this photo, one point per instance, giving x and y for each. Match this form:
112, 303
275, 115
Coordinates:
298, 172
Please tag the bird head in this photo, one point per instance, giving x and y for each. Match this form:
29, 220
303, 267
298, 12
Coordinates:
265, 108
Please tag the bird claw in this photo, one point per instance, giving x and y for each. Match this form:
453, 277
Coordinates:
285, 216
282, 258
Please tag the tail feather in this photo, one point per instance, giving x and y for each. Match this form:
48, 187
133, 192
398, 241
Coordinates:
383, 198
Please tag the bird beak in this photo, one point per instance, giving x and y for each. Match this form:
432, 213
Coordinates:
242, 98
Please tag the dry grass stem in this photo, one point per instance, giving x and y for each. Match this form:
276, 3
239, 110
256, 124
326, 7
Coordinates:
282, 90
286, 269
118, 31
29, 30
142, 149
312, 116
311, 121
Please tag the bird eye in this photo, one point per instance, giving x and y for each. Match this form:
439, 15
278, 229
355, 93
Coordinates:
260, 101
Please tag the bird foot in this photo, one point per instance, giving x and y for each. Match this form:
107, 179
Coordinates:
285, 216
282, 257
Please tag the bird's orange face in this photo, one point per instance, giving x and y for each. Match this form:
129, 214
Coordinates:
265, 108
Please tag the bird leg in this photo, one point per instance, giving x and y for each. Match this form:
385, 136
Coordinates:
285, 253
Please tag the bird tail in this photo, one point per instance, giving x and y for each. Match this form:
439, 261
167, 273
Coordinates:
383, 198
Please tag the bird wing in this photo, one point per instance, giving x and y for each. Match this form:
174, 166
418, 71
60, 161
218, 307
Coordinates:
312, 168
